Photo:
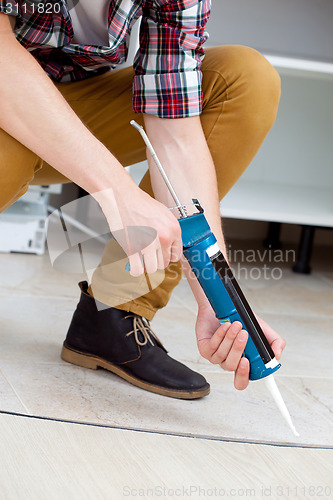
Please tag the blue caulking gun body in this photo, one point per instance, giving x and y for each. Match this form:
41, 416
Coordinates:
216, 279
221, 288
223, 292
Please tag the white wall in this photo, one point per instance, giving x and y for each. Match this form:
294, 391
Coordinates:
295, 28
298, 28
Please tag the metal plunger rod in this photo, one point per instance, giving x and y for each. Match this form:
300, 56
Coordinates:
159, 166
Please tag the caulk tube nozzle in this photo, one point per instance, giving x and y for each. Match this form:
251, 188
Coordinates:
273, 389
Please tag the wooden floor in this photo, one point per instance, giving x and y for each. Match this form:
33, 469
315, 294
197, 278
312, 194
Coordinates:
36, 307
44, 459
142, 445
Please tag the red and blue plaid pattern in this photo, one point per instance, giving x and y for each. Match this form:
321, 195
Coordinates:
167, 80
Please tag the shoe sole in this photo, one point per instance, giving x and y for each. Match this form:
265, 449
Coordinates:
94, 362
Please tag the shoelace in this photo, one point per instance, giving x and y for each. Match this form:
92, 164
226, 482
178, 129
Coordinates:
142, 325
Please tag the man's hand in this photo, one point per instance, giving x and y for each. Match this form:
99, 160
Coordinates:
145, 229
224, 344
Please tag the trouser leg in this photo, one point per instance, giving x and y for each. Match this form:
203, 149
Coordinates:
17, 168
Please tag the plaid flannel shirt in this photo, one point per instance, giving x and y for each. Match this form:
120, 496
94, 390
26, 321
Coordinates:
167, 80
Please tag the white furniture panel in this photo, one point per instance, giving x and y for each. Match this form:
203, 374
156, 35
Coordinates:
291, 178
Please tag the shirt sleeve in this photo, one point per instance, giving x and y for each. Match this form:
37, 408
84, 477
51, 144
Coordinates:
167, 81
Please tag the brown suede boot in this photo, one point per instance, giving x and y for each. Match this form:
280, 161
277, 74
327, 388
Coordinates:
125, 344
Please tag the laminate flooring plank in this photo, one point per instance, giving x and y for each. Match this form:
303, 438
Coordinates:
43, 459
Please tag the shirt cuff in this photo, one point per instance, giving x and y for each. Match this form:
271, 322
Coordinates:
168, 95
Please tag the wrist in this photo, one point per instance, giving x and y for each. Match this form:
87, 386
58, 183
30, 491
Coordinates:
113, 189
110, 174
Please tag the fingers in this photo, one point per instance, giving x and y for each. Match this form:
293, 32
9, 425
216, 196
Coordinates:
157, 257
171, 243
277, 343
176, 249
216, 341
242, 374
136, 265
236, 350
158, 245
165, 252
226, 346
150, 257
277, 346
223, 349
160, 258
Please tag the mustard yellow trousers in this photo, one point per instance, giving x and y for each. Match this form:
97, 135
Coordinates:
241, 94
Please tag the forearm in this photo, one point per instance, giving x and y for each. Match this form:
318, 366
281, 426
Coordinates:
182, 149
34, 112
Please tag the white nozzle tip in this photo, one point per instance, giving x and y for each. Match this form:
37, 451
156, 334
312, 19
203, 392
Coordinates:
295, 432
136, 125
273, 389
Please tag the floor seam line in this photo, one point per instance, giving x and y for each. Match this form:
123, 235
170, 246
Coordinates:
173, 434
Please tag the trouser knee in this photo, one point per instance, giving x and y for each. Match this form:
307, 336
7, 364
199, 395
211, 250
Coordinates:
241, 95
245, 78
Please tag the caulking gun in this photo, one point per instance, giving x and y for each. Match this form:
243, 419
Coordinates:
221, 288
